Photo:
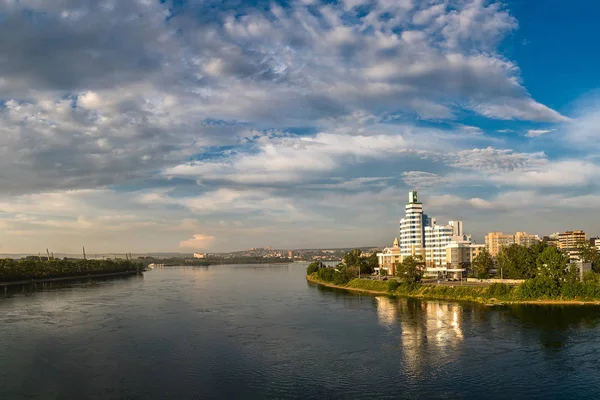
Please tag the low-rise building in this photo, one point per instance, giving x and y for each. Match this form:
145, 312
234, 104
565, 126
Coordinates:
199, 255
389, 258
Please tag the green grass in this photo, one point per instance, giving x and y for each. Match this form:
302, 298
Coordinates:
495, 293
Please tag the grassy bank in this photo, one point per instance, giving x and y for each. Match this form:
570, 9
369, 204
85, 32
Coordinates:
576, 293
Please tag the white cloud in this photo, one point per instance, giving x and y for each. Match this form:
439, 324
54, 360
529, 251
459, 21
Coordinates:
538, 132
495, 160
197, 242
421, 179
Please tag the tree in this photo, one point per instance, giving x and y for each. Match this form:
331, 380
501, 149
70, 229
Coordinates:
552, 264
369, 264
482, 264
410, 270
517, 262
313, 267
589, 254
352, 259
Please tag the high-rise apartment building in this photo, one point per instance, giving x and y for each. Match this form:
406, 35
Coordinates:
437, 237
412, 228
495, 241
570, 239
421, 236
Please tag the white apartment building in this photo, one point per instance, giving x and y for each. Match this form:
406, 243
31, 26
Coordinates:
444, 248
412, 228
437, 237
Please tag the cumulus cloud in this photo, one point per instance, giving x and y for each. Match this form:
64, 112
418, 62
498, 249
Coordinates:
118, 115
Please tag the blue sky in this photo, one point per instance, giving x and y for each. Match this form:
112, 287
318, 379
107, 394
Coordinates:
148, 125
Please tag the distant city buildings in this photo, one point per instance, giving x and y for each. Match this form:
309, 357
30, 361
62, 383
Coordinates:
199, 255
571, 239
495, 241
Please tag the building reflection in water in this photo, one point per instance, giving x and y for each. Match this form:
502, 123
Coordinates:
429, 330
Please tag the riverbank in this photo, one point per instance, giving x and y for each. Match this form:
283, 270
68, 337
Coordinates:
67, 278
491, 295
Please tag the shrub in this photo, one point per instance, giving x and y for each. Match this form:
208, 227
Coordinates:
392, 285
498, 290
313, 267
539, 287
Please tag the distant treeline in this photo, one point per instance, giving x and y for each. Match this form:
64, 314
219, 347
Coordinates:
36, 268
202, 262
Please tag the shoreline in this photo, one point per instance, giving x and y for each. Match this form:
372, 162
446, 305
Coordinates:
486, 302
66, 278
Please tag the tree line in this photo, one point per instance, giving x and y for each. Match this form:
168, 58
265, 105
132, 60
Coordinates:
34, 268
353, 265
526, 262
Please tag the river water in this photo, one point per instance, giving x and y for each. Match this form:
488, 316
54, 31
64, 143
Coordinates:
258, 332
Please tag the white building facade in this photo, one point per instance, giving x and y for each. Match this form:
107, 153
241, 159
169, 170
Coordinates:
412, 228
422, 236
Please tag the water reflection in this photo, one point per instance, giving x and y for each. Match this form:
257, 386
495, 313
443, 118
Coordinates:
554, 324
31, 288
429, 331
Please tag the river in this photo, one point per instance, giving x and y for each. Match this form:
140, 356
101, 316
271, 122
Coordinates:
263, 332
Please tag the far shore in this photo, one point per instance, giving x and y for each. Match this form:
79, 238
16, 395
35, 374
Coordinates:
487, 302
66, 278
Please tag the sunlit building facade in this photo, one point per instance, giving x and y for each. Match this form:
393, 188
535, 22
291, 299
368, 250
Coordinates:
495, 241
412, 228
389, 258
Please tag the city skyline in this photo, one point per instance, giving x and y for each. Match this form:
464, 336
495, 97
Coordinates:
170, 126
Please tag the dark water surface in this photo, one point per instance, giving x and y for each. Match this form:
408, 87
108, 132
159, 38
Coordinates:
256, 332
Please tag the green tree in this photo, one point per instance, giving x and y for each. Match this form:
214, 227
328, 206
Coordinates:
482, 264
313, 267
353, 259
552, 264
516, 262
369, 264
410, 270
589, 254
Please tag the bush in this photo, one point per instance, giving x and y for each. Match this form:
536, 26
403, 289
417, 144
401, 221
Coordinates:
498, 290
392, 285
339, 277
313, 267
539, 288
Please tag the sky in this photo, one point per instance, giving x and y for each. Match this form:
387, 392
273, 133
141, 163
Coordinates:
204, 125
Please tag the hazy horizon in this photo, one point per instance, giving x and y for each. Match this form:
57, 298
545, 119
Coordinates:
182, 126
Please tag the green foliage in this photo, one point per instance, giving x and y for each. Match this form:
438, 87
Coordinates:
482, 264
366, 265
498, 290
590, 253
540, 287
31, 268
591, 276
516, 262
313, 267
392, 285
410, 270
552, 264
368, 284
337, 276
